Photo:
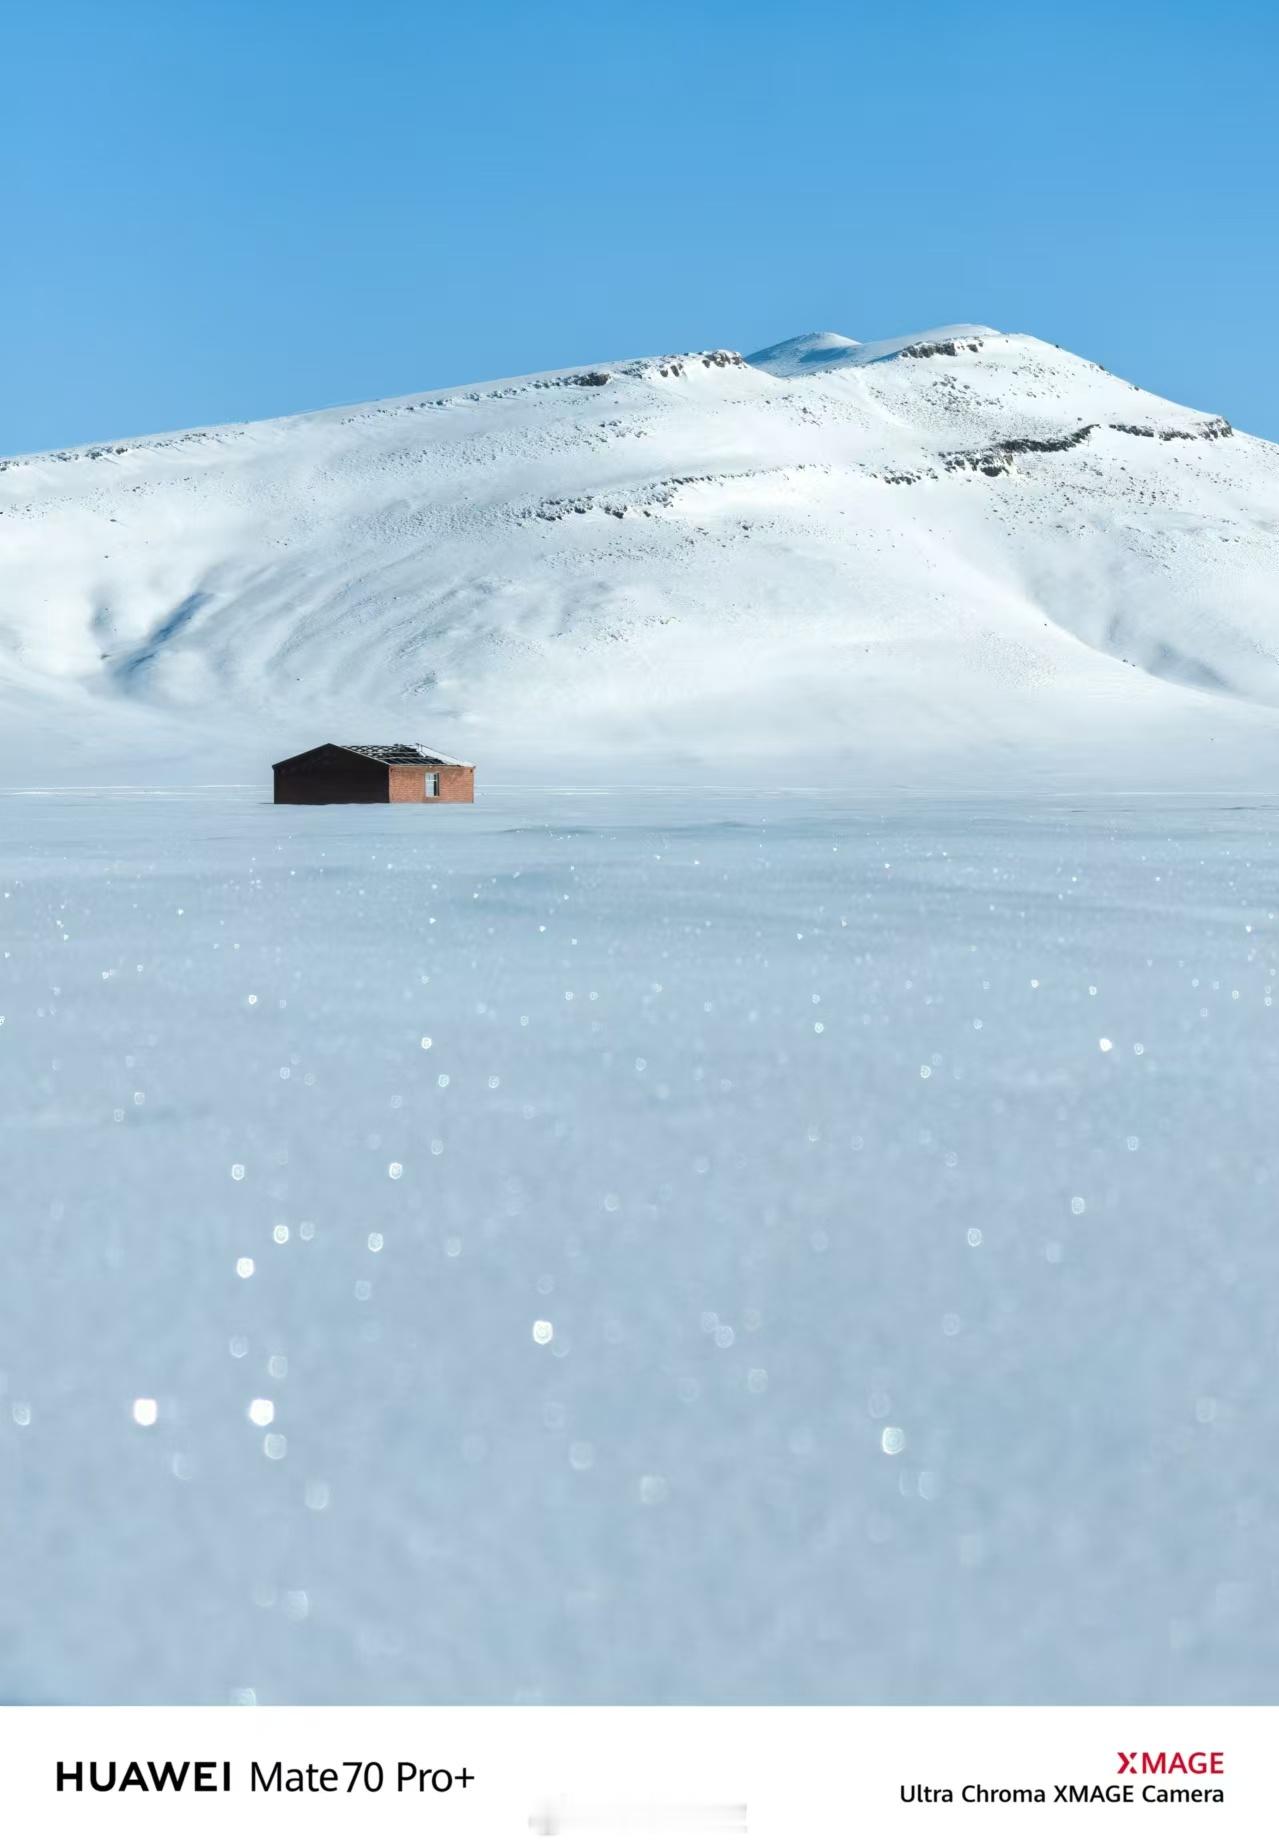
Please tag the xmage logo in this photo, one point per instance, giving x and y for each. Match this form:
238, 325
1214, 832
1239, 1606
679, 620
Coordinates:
1168, 1764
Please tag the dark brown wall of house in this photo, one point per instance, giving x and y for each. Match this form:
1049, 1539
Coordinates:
321, 776
408, 781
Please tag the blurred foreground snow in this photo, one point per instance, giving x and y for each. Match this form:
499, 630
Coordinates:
600, 1248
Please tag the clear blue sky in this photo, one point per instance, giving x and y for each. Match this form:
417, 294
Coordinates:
215, 211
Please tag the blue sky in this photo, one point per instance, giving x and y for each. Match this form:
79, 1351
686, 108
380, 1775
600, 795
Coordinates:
223, 211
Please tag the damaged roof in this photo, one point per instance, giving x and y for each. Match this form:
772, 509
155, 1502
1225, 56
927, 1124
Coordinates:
382, 754
403, 754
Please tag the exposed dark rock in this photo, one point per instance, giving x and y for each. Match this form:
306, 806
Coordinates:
937, 349
1208, 431
998, 460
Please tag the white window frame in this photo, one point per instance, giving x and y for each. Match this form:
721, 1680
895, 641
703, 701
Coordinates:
431, 785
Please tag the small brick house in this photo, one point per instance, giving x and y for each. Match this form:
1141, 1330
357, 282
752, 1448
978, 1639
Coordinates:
373, 773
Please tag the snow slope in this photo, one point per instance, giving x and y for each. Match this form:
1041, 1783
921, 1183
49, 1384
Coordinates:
955, 551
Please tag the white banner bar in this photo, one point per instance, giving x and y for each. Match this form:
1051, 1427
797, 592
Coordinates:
802, 1777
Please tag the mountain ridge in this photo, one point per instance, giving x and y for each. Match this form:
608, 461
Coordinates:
952, 544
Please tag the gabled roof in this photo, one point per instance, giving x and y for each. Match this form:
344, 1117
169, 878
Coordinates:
403, 754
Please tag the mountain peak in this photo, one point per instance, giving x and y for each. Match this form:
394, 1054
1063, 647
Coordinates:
821, 352
804, 353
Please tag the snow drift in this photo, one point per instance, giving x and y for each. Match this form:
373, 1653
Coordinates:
957, 551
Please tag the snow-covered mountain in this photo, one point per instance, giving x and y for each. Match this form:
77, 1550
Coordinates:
960, 549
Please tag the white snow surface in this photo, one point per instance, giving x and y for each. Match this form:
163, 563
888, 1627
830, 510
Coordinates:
699, 1249
955, 556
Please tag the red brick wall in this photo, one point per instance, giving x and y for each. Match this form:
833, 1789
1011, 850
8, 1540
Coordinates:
456, 783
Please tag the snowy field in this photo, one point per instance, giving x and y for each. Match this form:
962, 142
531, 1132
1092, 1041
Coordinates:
638, 1248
